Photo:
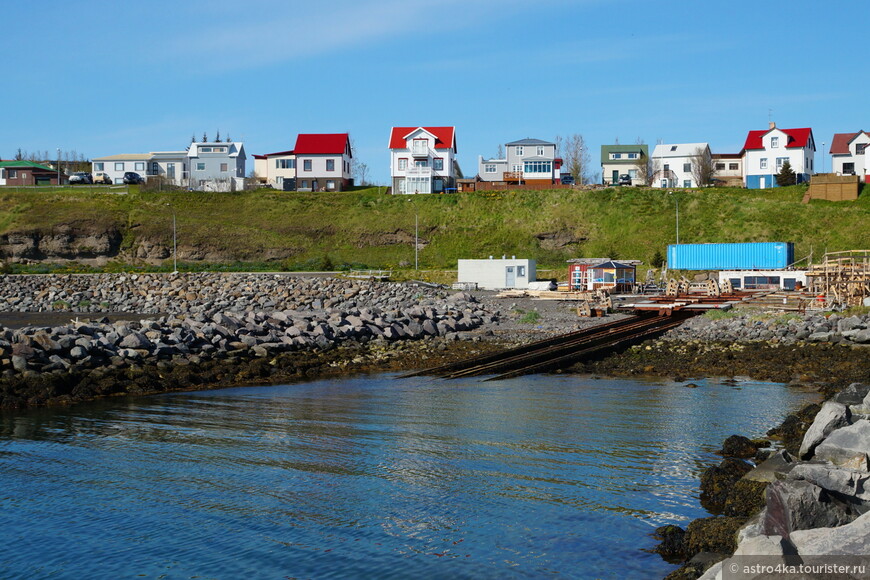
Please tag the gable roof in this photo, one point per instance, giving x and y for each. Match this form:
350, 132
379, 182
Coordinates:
606, 150
26, 164
445, 137
530, 142
612, 264
321, 144
678, 149
840, 143
797, 138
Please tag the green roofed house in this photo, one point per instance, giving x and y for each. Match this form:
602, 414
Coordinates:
28, 173
619, 160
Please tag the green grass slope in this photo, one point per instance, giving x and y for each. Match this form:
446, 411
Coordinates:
369, 228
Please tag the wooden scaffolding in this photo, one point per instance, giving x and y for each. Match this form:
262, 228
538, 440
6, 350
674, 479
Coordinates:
843, 277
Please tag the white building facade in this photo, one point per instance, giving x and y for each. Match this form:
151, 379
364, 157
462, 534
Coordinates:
498, 274
847, 154
675, 165
765, 152
423, 159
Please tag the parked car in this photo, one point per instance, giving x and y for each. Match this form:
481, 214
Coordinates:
624, 179
81, 177
132, 178
567, 179
101, 177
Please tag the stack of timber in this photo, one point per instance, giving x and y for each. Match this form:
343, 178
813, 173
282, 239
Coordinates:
843, 277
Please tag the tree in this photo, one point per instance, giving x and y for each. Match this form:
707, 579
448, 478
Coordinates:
703, 168
575, 155
647, 169
19, 155
786, 175
499, 154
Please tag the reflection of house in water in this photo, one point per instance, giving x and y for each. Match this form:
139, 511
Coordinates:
602, 274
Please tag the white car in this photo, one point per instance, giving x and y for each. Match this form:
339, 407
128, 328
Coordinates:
80, 177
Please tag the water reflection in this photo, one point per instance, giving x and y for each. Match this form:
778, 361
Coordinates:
369, 477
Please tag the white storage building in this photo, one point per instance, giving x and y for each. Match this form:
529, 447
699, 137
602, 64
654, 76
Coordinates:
497, 274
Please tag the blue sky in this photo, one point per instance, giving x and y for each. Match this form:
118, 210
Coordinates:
104, 77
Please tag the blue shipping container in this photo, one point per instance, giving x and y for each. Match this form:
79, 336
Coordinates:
748, 256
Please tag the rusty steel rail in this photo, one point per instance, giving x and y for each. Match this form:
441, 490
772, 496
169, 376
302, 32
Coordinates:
560, 351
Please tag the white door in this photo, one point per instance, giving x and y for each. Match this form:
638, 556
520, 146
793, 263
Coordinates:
762, 181
510, 278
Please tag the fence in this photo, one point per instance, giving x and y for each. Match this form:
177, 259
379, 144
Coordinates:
833, 187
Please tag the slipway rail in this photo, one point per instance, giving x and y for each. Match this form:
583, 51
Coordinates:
562, 351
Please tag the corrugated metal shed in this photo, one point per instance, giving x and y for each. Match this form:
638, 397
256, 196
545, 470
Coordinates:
744, 256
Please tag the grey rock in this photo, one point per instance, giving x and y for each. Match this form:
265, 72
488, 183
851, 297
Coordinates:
774, 467
854, 394
845, 443
801, 505
845, 482
832, 416
849, 540
135, 340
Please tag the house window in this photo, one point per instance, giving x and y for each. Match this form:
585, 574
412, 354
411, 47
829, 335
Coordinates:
419, 185
720, 167
438, 164
774, 142
285, 164
119, 181
632, 173
667, 167
304, 184
687, 167
200, 166
632, 155
306, 165
421, 147
849, 168
205, 149
763, 163
733, 167
219, 149
520, 150
521, 271
859, 148
489, 168
224, 167
616, 155
13, 174
140, 166
673, 147
98, 166
517, 168
538, 167
687, 183
421, 163
330, 164
780, 161
155, 167
403, 164
540, 151
330, 185
119, 167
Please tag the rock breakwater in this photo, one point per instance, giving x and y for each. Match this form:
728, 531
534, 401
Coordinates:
210, 317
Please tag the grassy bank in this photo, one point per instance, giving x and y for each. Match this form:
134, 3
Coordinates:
366, 228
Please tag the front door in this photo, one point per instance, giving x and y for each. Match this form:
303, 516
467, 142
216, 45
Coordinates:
762, 182
615, 179
510, 278
170, 171
314, 185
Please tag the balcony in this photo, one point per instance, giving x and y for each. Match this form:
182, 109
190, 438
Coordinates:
420, 150
418, 172
512, 176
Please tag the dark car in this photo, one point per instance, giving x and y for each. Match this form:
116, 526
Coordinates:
624, 179
567, 179
132, 178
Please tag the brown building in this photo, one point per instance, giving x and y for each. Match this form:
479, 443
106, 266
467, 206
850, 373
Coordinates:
29, 173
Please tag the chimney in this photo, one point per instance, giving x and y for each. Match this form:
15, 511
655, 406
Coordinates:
771, 125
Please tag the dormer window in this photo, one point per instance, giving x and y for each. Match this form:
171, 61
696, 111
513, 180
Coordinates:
673, 147
859, 148
420, 147
774, 142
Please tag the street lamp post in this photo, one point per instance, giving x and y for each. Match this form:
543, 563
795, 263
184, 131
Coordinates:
823, 157
416, 241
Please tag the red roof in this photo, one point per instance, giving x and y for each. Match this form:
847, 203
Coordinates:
840, 144
278, 153
797, 138
445, 137
321, 143
259, 156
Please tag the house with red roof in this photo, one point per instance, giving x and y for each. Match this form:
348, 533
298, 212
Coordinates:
847, 154
765, 152
323, 162
423, 159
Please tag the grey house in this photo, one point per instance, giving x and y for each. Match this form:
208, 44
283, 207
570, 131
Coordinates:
527, 161
216, 166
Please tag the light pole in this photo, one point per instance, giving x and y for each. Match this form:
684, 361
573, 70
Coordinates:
823, 156
174, 242
416, 241
677, 202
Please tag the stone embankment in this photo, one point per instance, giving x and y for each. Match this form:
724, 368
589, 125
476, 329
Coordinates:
788, 328
208, 317
804, 504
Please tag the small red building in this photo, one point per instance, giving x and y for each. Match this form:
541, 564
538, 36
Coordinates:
586, 274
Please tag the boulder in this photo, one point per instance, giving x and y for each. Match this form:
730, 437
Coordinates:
717, 481
854, 394
746, 498
671, 547
715, 534
135, 340
761, 546
849, 540
738, 446
800, 505
846, 443
832, 416
845, 482
774, 467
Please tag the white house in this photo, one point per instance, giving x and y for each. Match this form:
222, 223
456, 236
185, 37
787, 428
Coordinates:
765, 152
145, 164
527, 161
498, 274
278, 168
423, 159
675, 165
847, 154
728, 168
322, 162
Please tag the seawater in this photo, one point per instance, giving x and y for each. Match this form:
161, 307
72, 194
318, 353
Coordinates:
369, 477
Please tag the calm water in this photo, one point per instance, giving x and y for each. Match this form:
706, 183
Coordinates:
368, 478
